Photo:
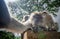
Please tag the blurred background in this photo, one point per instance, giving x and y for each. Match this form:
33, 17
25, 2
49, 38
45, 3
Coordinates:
19, 8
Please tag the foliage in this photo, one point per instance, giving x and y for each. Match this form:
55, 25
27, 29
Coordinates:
7, 35
41, 35
25, 7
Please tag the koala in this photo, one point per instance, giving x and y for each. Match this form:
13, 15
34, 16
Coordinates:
35, 20
48, 22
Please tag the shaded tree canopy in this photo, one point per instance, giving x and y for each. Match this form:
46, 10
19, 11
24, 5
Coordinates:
24, 7
6, 35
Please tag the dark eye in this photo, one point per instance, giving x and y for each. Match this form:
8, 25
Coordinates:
36, 16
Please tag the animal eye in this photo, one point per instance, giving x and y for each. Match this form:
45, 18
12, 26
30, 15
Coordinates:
35, 16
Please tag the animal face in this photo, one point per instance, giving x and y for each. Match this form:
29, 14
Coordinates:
36, 19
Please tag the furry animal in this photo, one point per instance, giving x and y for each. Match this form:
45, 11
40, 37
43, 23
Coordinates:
48, 22
35, 20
